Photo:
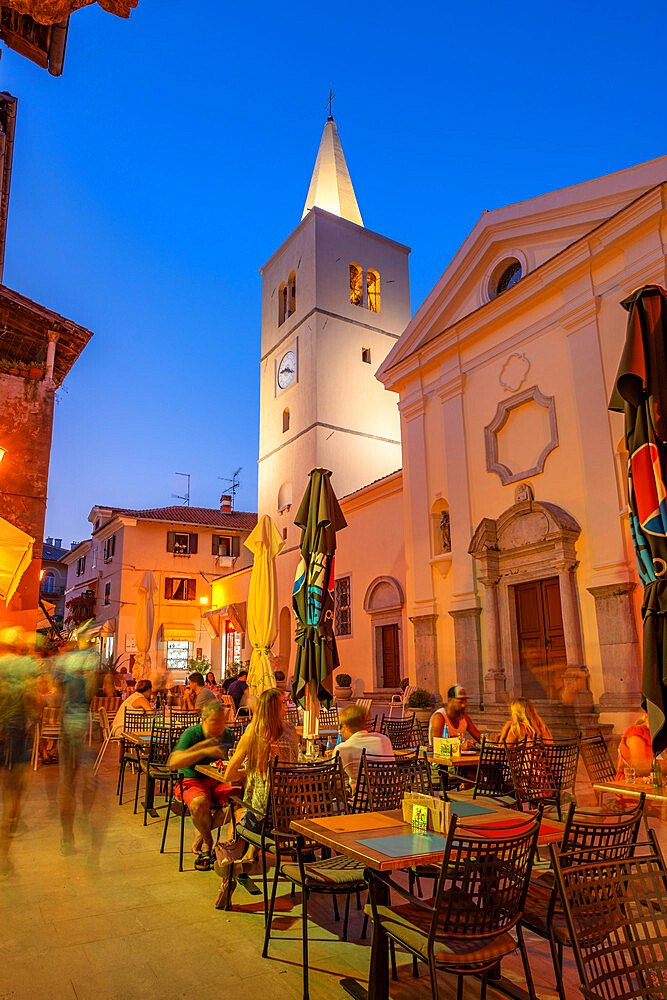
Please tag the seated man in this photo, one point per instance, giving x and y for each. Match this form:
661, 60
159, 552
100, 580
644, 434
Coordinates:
238, 688
197, 694
454, 716
201, 744
356, 738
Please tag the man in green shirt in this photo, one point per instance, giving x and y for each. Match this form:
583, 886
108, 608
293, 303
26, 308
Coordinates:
205, 797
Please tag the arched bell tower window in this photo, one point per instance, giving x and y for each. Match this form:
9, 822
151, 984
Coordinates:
356, 285
291, 293
282, 303
373, 290
286, 419
284, 497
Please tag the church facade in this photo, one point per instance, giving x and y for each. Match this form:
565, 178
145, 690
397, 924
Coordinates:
479, 470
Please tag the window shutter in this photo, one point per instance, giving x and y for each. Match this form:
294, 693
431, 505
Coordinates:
236, 545
170, 541
168, 587
193, 542
215, 544
192, 588
112, 545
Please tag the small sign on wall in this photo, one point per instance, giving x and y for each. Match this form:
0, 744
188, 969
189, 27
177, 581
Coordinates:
130, 645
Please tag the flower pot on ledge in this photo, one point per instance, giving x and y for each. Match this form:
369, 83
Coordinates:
36, 373
343, 693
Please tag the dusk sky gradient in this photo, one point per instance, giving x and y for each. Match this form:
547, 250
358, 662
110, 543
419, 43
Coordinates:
153, 179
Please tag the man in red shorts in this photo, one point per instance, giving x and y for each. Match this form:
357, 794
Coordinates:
201, 744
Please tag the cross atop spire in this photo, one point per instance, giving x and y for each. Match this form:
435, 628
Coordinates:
330, 186
329, 103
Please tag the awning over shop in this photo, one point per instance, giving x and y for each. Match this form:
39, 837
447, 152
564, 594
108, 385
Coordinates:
45, 606
178, 633
103, 629
235, 613
212, 627
15, 555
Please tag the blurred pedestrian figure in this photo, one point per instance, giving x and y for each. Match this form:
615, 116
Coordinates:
18, 707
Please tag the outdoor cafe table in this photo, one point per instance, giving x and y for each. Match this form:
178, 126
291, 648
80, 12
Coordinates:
625, 788
343, 835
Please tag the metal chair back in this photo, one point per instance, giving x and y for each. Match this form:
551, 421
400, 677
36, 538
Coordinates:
137, 722
305, 792
382, 781
595, 755
616, 913
562, 760
292, 715
329, 718
494, 776
401, 732
593, 834
533, 780
483, 882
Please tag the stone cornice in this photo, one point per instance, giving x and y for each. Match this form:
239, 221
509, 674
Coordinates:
413, 408
379, 490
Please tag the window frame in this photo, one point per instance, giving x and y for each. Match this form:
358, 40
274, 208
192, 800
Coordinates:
340, 580
170, 589
181, 663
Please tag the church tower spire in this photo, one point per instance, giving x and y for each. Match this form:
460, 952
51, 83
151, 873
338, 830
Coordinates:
330, 186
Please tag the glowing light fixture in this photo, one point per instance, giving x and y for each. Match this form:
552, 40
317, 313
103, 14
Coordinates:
203, 600
2, 453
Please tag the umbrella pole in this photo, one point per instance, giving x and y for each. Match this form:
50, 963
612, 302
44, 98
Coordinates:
311, 720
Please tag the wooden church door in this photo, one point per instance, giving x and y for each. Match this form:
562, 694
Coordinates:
541, 639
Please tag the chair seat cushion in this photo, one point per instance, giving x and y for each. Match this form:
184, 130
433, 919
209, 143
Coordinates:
252, 837
409, 925
339, 871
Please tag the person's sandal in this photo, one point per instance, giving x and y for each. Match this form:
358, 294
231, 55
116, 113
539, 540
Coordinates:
203, 862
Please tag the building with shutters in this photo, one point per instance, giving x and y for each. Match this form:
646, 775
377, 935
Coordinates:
185, 548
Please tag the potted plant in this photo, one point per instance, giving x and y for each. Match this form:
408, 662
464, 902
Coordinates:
35, 371
421, 702
343, 690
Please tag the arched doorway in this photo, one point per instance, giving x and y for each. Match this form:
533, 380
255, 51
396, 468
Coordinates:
527, 564
384, 603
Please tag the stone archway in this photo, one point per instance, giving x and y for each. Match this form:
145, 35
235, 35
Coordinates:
384, 602
531, 541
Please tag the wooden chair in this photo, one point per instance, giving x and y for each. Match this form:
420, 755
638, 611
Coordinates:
591, 836
47, 728
299, 792
616, 917
227, 702
110, 704
402, 733
365, 704
465, 929
598, 763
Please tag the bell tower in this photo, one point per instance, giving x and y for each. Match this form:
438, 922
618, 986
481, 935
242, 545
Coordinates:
335, 298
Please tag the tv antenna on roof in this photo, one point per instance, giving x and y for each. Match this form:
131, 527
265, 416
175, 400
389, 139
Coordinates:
234, 484
177, 496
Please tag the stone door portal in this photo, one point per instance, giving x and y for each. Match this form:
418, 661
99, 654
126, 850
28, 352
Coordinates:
542, 654
391, 667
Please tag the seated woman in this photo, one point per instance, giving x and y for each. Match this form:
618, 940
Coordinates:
519, 727
210, 680
268, 736
138, 701
635, 749
537, 722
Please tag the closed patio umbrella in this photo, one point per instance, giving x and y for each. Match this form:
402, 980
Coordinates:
143, 624
265, 543
641, 394
15, 557
319, 517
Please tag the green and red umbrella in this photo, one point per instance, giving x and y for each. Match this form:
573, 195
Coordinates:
319, 517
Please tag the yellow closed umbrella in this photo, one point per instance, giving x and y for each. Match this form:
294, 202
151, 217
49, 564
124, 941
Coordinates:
143, 624
265, 543
15, 557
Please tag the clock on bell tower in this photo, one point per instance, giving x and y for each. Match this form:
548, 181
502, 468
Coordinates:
335, 298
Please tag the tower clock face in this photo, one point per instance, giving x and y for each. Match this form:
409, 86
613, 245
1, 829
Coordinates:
287, 370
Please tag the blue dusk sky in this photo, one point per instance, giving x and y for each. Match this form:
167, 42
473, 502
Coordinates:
173, 156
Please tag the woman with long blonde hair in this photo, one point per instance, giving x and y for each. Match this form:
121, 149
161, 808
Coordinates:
519, 727
269, 736
538, 723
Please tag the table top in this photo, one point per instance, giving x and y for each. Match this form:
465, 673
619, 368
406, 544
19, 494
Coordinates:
140, 739
625, 788
343, 833
211, 771
324, 731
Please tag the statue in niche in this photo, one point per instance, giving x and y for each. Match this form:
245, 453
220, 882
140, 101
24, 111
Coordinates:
445, 533
523, 492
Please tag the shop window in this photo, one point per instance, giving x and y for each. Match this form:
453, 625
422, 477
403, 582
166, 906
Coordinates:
178, 654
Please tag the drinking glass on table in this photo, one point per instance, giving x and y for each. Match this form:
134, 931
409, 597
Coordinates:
629, 773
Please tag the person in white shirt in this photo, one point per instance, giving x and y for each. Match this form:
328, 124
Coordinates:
356, 738
135, 702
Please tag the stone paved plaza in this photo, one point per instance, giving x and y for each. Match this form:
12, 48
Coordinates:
133, 927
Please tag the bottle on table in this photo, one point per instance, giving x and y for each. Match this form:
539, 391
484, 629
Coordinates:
656, 772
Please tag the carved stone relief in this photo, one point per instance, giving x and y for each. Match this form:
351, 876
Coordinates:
521, 436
